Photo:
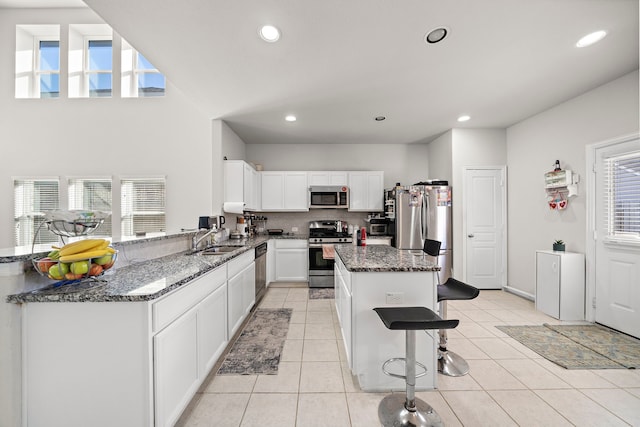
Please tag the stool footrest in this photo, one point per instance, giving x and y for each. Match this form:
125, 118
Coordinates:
419, 374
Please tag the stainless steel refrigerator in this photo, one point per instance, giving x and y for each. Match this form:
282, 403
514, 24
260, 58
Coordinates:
422, 212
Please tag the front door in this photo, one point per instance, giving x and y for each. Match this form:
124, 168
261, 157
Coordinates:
485, 226
617, 235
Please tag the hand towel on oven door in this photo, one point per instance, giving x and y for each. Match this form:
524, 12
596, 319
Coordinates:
328, 252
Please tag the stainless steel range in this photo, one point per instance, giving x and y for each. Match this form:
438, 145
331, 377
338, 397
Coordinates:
322, 233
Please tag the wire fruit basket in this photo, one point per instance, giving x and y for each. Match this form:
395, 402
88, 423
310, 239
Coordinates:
78, 269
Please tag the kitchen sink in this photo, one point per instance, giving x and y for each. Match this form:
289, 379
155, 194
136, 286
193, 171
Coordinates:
216, 250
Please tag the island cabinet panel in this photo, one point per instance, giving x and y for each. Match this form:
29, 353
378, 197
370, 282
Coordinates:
87, 364
368, 342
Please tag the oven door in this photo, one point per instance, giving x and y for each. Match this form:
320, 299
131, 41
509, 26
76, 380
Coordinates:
320, 269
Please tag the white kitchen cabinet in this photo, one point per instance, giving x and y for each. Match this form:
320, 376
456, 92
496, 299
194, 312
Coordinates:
342, 281
291, 260
284, 191
241, 290
328, 178
378, 240
366, 191
368, 343
560, 284
176, 367
241, 184
146, 358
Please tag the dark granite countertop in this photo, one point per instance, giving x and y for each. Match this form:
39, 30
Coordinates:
143, 281
382, 258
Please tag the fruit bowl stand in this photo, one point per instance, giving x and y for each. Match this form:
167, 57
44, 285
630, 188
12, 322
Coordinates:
65, 228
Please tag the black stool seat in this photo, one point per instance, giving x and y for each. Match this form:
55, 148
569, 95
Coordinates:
413, 318
454, 289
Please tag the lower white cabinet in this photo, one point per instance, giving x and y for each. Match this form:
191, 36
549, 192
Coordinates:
291, 260
560, 284
242, 289
122, 363
175, 367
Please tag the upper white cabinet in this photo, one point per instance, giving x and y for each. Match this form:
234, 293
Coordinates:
242, 184
366, 191
328, 178
285, 191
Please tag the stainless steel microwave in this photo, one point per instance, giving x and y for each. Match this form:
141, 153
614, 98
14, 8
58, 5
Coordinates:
329, 196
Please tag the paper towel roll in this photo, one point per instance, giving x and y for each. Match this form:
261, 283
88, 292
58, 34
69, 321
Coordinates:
233, 207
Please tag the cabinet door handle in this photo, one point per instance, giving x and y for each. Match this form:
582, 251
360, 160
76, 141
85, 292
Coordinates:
470, 236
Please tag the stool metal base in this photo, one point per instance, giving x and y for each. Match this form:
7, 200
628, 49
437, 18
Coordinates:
451, 364
392, 412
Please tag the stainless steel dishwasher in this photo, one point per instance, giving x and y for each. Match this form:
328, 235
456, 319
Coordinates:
261, 271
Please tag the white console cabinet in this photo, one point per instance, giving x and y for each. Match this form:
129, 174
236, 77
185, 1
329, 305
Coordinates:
560, 284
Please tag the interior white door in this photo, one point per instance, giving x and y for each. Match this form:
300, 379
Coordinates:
484, 196
617, 236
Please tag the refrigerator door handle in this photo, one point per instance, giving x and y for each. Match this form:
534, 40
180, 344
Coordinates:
425, 215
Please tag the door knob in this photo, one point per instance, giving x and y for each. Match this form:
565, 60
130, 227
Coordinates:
470, 235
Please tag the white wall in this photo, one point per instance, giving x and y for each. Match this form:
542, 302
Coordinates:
402, 163
471, 147
533, 145
100, 137
439, 156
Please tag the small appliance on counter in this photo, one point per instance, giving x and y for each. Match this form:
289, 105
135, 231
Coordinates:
378, 227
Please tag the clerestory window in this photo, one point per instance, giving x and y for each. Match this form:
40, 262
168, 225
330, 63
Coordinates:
139, 77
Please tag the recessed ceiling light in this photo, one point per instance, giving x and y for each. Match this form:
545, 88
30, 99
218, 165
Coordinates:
379, 118
464, 118
592, 38
269, 33
291, 118
436, 35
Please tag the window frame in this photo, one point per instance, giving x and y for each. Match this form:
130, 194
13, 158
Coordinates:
128, 230
131, 89
612, 210
37, 71
70, 195
86, 72
36, 225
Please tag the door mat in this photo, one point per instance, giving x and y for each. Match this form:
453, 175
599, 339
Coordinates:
579, 346
257, 350
321, 293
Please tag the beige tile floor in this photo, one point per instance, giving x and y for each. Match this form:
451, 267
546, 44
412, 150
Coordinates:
508, 384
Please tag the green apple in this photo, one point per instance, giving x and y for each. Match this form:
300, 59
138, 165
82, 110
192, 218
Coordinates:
58, 271
105, 259
80, 267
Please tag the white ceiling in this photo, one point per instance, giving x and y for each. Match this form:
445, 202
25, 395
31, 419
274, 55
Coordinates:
341, 63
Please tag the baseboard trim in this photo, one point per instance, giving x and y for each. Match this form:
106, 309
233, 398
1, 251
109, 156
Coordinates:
520, 293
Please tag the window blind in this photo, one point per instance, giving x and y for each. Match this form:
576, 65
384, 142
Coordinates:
32, 197
143, 205
622, 196
92, 194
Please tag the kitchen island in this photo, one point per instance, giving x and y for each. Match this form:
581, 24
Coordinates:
382, 276
132, 348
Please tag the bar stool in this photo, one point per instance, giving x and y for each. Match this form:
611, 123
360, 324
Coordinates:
449, 363
395, 409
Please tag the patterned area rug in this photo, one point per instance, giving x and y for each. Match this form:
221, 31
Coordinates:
579, 346
321, 293
257, 350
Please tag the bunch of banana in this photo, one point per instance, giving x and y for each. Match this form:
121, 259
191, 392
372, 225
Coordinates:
83, 249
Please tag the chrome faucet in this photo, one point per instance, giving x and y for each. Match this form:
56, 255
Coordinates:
195, 241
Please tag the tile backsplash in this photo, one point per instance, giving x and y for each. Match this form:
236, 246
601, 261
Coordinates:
300, 220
